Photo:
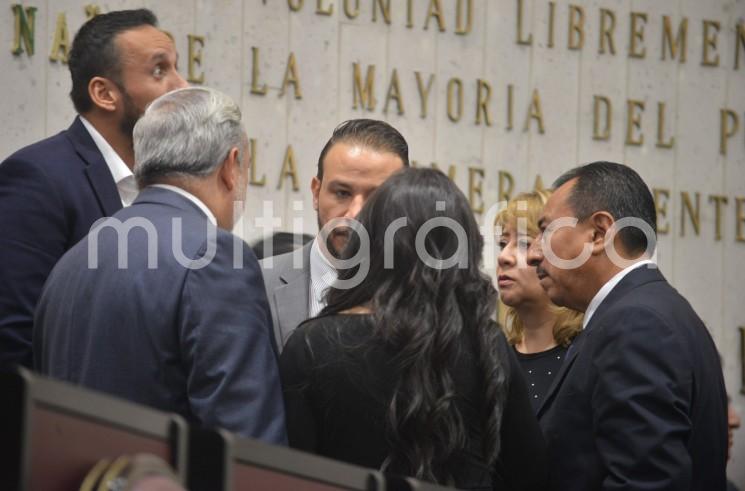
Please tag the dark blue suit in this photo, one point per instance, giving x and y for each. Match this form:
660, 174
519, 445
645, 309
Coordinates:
51, 192
169, 334
640, 402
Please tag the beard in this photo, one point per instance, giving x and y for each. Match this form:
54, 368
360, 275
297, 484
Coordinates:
337, 239
131, 113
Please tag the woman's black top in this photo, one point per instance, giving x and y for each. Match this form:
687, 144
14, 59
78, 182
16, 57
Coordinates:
539, 370
338, 381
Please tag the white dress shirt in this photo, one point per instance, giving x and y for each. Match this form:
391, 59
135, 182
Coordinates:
190, 197
322, 276
608, 287
123, 177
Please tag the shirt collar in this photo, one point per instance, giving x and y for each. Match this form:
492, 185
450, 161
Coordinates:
190, 197
122, 174
608, 287
322, 276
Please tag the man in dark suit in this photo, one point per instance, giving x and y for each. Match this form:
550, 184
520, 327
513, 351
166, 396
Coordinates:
640, 401
159, 306
52, 191
360, 155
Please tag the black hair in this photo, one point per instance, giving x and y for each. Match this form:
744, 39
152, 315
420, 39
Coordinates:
94, 52
370, 133
616, 189
429, 317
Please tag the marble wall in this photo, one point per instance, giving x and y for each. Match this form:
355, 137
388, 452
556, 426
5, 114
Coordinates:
551, 60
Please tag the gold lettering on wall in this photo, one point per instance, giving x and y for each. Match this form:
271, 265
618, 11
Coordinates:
394, 92
729, 122
636, 36
256, 88
385, 7
435, 10
601, 104
576, 38
483, 95
551, 19
607, 26
364, 94
634, 110
196, 43
321, 10
295, 5
740, 43
505, 185
423, 92
680, 44
718, 201
91, 10
711, 31
661, 142
475, 188
455, 99
661, 197
535, 112
289, 169
462, 26
24, 29
254, 163
740, 219
350, 12
692, 211
61, 42
521, 39
291, 78
409, 13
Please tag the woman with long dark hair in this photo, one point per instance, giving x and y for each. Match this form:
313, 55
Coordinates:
406, 371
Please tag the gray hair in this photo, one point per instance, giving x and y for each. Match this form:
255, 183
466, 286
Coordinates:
186, 133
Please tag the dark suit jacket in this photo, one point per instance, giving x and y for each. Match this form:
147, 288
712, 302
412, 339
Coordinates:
338, 380
174, 334
640, 401
51, 192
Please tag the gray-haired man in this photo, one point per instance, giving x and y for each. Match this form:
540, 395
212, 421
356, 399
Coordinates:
160, 304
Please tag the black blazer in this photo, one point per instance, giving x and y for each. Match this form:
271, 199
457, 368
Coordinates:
51, 192
338, 381
640, 402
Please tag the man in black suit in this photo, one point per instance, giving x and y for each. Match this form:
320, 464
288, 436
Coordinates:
52, 191
640, 401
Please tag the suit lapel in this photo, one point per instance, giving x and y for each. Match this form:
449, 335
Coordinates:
96, 170
633, 279
292, 295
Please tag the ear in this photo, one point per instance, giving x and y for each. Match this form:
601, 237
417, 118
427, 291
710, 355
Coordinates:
600, 224
315, 187
104, 93
230, 170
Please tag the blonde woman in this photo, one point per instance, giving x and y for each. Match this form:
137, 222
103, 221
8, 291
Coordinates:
539, 331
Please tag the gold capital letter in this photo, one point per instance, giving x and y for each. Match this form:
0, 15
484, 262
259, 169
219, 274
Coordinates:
661, 207
506, 184
255, 87
576, 27
606, 31
710, 42
365, 95
718, 201
740, 219
728, 125
254, 163
661, 143
475, 188
295, 5
520, 38
25, 28
459, 27
91, 10
435, 10
535, 112
598, 101
740, 42
61, 41
320, 10
693, 212
423, 91
455, 84
291, 78
483, 91
638, 21
634, 122
385, 8
394, 92
289, 169
350, 12
681, 40
195, 58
